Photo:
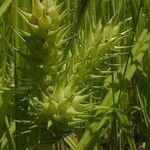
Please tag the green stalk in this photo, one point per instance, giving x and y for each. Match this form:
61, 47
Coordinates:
10, 138
129, 55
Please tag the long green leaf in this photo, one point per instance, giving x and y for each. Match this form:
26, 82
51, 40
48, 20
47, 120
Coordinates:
90, 137
4, 6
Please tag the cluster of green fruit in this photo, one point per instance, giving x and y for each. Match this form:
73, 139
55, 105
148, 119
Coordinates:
66, 104
44, 40
60, 100
45, 16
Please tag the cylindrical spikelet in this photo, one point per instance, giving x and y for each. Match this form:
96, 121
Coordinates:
61, 103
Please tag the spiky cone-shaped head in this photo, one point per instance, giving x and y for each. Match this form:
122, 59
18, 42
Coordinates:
58, 101
45, 37
63, 110
45, 16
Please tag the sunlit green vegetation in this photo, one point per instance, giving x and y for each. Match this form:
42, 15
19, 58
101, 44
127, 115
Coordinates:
74, 74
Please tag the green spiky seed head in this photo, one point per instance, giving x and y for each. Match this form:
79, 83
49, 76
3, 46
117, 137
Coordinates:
58, 98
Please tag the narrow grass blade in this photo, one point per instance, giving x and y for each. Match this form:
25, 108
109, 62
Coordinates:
90, 136
4, 6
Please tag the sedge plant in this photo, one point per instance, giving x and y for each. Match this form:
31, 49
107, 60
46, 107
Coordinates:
68, 74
